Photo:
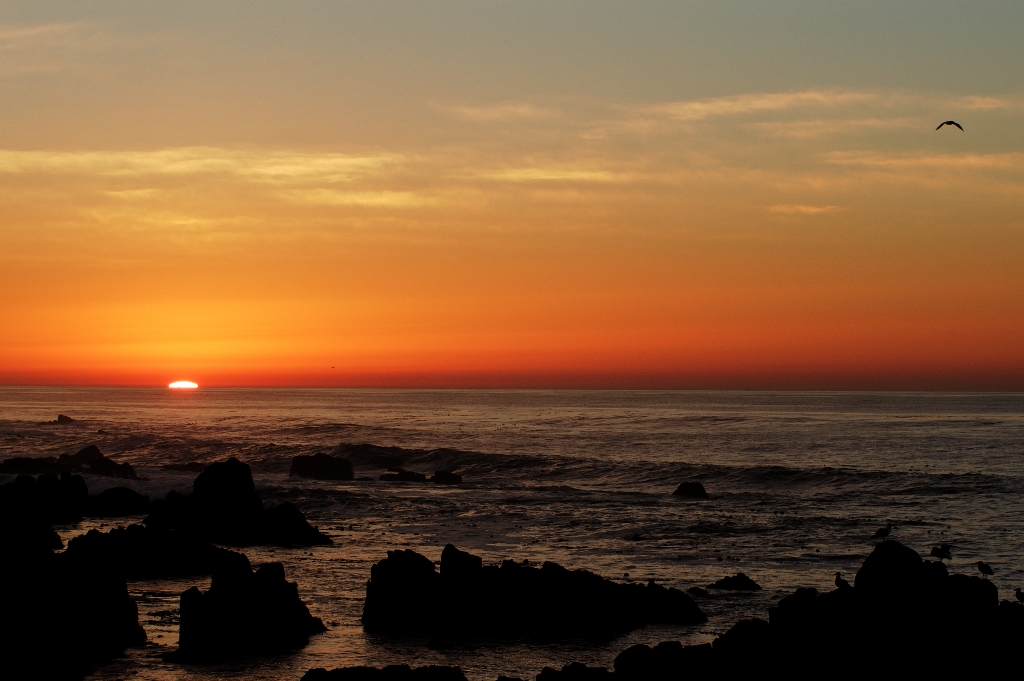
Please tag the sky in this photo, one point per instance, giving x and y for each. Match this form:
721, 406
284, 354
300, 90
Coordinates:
589, 194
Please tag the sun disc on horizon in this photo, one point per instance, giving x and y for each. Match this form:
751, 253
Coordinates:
186, 385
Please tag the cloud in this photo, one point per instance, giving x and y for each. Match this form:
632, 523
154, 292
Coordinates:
800, 209
533, 174
1013, 161
509, 111
808, 129
379, 199
266, 166
756, 103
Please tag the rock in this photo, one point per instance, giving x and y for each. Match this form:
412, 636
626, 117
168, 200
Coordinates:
47, 500
691, 490
117, 502
139, 552
244, 614
63, 420
190, 467
225, 508
737, 582
575, 671
322, 467
401, 475
446, 478
89, 460
667, 660
390, 673
406, 595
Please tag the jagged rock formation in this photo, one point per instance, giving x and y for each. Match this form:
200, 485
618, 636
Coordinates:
244, 613
407, 596
225, 508
88, 460
737, 582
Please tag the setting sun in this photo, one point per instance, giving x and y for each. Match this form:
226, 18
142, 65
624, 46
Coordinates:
187, 385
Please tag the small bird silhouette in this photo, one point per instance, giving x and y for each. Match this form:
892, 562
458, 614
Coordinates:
883, 532
950, 123
943, 551
984, 568
1019, 594
843, 584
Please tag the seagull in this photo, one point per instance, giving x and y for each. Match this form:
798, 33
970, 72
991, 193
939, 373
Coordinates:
950, 123
943, 551
984, 568
1019, 594
883, 532
843, 584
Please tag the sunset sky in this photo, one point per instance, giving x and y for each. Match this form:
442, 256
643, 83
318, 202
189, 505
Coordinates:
547, 194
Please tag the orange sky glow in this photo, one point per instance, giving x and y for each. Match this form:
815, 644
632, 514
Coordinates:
176, 206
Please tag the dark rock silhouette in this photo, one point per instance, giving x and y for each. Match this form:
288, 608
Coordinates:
225, 508
117, 502
395, 672
62, 419
402, 475
139, 552
575, 671
242, 614
59, 617
691, 490
446, 478
88, 460
467, 600
900, 611
322, 467
737, 582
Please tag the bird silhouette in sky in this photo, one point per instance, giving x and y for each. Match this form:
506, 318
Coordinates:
950, 123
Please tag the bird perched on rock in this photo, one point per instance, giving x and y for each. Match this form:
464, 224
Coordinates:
843, 584
984, 568
950, 123
883, 532
1019, 594
942, 552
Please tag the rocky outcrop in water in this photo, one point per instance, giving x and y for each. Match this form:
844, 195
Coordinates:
446, 478
322, 467
139, 552
737, 582
395, 672
691, 490
902, 612
225, 508
243, 614
88, 460
466, 600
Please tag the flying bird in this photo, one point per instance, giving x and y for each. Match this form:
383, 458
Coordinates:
883, 532
984, 568
950, 123
944, 551
843, 584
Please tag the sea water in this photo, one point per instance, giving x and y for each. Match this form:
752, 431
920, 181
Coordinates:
799, 482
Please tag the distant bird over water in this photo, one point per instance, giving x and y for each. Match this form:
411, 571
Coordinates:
843, 584
984, 568
883, 532
950, 123
942, 552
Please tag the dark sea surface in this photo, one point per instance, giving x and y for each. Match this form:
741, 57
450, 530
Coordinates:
799, 483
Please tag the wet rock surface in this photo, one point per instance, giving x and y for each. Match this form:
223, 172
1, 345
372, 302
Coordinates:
406, 595
737, 582
691, 490
244, 614
322, 467
225, 508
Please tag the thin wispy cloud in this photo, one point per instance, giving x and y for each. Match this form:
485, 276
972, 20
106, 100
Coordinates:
802, 209
508, 111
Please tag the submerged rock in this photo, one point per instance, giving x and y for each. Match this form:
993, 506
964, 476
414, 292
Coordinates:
446, 478
394, 672
225, 508
737, 582
63, 420
322, 467
243, 614
691, 490
406, 595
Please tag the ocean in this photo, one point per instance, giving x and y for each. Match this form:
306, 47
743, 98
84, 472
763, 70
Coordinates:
799, 482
